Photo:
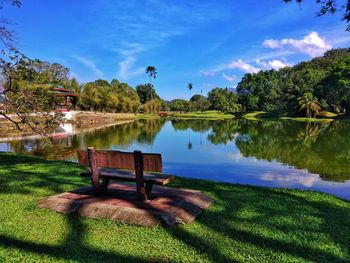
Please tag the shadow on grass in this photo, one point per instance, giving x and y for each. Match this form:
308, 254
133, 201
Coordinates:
268, 205
269, 220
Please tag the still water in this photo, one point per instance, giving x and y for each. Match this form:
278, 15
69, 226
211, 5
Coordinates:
314, 156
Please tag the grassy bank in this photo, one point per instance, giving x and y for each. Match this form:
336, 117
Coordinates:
261, 115
245, 224
147, 116
303, 119
203, 115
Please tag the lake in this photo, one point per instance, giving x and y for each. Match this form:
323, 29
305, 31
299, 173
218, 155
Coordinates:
290, 154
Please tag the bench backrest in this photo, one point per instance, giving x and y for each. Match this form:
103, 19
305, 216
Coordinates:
152, 162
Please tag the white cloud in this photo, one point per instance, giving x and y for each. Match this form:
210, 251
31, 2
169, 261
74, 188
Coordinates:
126, 69
207, 73
312, 44
130, 49
229, 78
272, 64
210, 85
126, 66
240, 64
271, 43
277, 64
90, 65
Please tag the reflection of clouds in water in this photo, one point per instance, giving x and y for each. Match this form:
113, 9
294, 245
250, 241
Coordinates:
235, 156
301, 177
3, 147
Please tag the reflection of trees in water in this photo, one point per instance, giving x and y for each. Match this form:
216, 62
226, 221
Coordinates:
311, 132
142, 131
50, 148
150, 129
198, 125
221, 131
224, 132
320, 148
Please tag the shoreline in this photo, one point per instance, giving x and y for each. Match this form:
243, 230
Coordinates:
60, 135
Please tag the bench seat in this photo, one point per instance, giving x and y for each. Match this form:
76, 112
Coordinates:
129, 176
143, 168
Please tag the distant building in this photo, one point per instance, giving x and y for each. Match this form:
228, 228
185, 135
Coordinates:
70, 98
69, 101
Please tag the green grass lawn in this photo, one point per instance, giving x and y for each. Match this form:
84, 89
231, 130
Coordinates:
147, 116
245, 224
203, 115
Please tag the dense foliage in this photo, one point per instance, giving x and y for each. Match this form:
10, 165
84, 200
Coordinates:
26, 91
223, 100
200, 103
324, 81
112, 97
308, 88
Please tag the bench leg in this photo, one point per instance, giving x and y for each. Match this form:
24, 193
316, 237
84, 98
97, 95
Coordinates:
95, 174
104, 184
148, 189
98, 187
95, 180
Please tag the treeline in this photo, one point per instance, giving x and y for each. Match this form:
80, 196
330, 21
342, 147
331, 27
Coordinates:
36, 79
221, 99
114, 96
322, 84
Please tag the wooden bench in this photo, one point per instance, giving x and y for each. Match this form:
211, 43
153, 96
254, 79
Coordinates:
143, 168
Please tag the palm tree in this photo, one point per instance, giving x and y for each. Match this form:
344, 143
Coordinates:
190, 86
152, 73
310, 104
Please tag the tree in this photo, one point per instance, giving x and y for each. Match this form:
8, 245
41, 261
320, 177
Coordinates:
310, 104
89, 98
109, 97
146, 92
326, 77
190, 86
154, 105
74, 85
260, 91
28, 104
223, 100
6, 35
331, 7
199, 103
152, 72
129, 100
179, 105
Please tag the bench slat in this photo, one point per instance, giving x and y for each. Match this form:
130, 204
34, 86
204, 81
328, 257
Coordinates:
122, 160
125, 175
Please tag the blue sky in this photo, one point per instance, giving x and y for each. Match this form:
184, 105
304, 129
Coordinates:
208, 43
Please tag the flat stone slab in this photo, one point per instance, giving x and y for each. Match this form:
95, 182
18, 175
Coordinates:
166, 205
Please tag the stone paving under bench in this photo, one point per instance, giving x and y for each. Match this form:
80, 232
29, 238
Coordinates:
166, 205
